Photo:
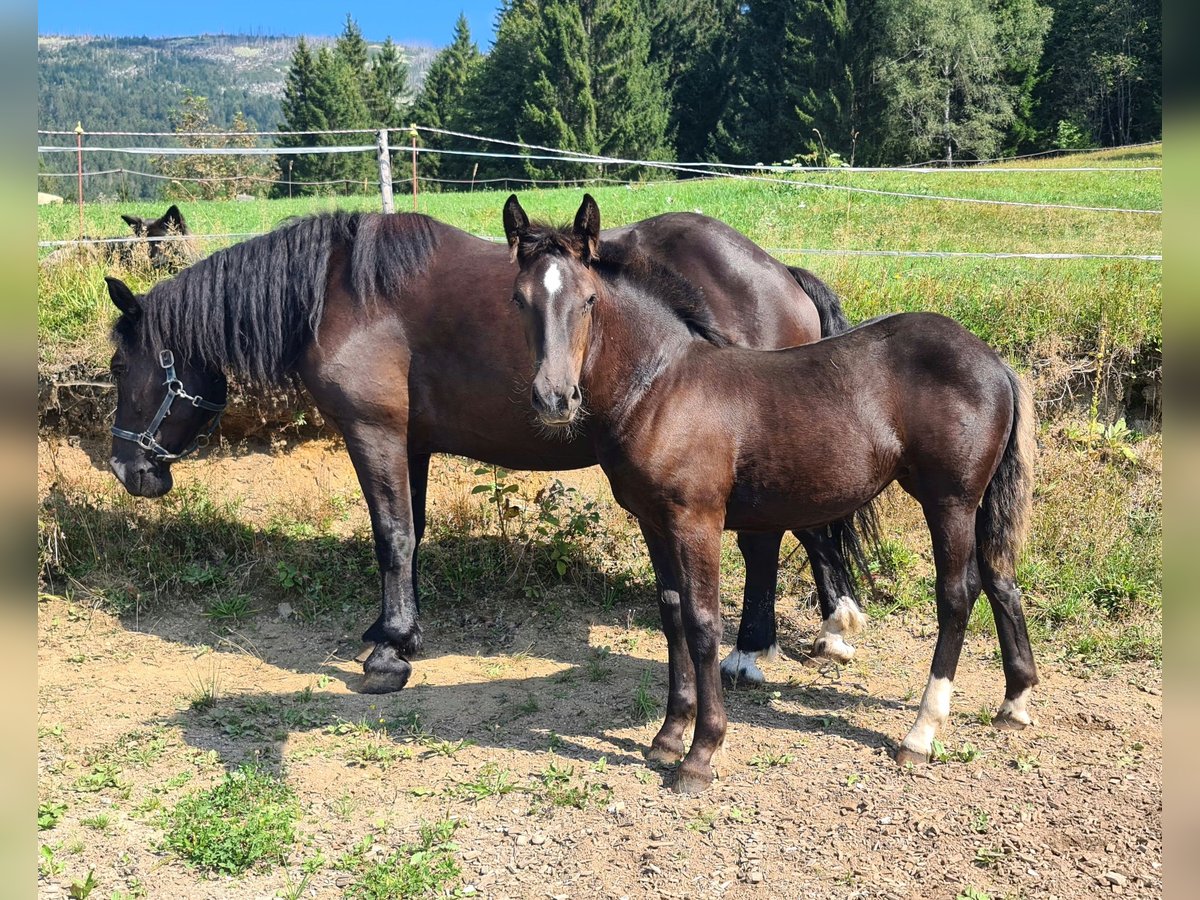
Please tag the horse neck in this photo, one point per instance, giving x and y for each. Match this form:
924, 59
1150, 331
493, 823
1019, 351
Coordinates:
635, 339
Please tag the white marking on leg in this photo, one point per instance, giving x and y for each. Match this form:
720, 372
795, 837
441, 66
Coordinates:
552, 279
935, 710
1015, 708
740, 666
846, 619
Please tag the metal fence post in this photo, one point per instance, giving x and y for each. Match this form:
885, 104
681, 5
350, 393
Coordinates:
385, 170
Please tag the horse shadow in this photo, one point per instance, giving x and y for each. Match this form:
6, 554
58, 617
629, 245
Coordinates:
474, 617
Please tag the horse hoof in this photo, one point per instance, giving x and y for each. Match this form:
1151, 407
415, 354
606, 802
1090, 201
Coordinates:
834, 650
690, 781
665, 755
740, 669
907, 757
1004, 721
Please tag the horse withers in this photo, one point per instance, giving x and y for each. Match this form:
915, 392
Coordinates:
396, 326
697, 436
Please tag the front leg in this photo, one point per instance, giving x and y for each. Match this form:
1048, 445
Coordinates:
381, 463
695, 555
667, 745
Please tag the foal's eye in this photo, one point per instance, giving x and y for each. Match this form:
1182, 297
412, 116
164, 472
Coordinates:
591, 300
518, 300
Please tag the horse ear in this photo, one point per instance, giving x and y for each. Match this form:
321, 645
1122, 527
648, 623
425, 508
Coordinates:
173, 219
137, 223
587, 228
515, 221
122, 297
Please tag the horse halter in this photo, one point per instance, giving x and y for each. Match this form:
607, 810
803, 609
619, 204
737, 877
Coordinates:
146, 439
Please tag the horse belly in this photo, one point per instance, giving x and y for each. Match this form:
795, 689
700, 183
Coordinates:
804, 499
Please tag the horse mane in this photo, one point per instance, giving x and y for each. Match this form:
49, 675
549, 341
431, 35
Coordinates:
251, 308
683, 299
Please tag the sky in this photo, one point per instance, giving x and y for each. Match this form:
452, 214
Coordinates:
406, 21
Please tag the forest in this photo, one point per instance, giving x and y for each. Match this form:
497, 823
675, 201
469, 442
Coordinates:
808, 82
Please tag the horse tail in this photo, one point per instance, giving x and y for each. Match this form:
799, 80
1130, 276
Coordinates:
857, 536
828, 304
1003, 520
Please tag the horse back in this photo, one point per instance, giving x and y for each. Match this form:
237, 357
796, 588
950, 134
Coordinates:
754, 298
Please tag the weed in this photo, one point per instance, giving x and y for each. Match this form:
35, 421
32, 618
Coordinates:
81, 890
644, 707
48, 864
528, 706
425, 868
100, 821
245, 820
771, 760
989, 857
1026, 763
232, 608
558, 787
704, 822
852, 779
971, 893
490, 781
50, 814
980, 821
598, 667
103, 775
940, 754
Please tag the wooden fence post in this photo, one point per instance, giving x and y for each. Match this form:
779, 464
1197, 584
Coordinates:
385, 171
412, 132
79, 167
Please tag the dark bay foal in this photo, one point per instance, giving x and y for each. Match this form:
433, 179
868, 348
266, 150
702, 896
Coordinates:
697, 436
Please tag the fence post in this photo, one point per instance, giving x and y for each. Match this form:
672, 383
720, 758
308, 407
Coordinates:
412, 132
385, 171
79, 167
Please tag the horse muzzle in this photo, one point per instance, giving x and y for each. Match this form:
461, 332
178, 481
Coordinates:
556, 408
142, 478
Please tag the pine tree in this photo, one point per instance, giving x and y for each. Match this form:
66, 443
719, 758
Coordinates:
791, 82
351, 48
630, 90
302, 111
338, 93
442, 104
389, 78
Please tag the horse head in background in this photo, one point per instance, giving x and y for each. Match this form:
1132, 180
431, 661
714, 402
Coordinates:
171, 224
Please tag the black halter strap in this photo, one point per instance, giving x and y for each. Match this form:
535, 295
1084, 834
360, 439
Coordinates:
146, 439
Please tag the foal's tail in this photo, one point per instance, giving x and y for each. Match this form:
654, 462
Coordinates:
857, 536
828, 304
1002, 522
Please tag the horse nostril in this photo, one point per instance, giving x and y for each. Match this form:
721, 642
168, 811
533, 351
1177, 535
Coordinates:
576, 396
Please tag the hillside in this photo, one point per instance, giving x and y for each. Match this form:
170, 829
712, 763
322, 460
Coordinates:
134, 83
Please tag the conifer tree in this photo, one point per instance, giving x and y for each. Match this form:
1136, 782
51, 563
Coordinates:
389, 78
302, 111
442, 104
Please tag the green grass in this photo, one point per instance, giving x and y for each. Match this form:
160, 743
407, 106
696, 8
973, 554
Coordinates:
425, 868
245, 821
1013, 304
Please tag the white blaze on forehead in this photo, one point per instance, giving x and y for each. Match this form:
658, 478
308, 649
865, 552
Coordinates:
552, 279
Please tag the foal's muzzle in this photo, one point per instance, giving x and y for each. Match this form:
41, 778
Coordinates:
556, 407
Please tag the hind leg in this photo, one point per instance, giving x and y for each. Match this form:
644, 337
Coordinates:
952, 527
756, 634
1020, 672
841, 616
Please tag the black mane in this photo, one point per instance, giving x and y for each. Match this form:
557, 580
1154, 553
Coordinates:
251, 308
668, 288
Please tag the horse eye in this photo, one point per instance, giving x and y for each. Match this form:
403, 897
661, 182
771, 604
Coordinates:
591, 300
519, 301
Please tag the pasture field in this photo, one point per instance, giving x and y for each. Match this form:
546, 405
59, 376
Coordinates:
196, 653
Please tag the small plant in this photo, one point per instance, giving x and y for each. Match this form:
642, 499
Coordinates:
980, 821
989, 857
645, 707
100, 821
852, 779
1114, 439
81, 890
771, 760
982, 716
500, 493
245, 820
491, 781
557, 788
1027, 763
970, 893
103, 775
48, 864
50, 814
426, 868
598, 668
939, 753
704, 822
233, 608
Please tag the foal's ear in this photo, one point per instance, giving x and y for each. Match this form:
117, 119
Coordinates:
137, 223
173, 220
515, 221
123, 298
587, 228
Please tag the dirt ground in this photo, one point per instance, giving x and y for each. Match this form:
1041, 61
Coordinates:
809, 801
